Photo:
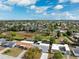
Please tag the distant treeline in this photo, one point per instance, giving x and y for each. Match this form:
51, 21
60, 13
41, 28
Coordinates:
39, 20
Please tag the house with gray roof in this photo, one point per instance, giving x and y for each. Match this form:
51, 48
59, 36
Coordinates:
76, 51
2, 41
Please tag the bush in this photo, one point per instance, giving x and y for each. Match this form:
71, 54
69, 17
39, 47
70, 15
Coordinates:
58, 55
7, 51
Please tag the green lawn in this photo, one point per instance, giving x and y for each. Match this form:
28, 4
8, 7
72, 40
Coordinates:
13, 52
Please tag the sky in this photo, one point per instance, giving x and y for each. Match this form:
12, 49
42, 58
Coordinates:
39, 9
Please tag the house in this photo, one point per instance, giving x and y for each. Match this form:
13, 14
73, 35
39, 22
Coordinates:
76, 51
2, 41
76, 36
24, 44
42, 46
29, 44
9, 44
60, 47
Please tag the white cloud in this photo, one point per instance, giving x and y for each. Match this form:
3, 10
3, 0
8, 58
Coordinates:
58, 7
33, 7
61, 1
68, 15
74, 1
5, 7
22, 2
45, 13
38, 9
53, 13
64, 15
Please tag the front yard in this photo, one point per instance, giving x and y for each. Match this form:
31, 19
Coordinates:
13, 52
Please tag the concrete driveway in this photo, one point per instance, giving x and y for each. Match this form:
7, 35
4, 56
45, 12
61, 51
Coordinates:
44, 56
2, 56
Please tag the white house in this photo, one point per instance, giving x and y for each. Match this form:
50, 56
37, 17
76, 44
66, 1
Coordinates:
60, 47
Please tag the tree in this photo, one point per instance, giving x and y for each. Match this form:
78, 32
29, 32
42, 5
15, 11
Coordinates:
32, 53
13, 33
52, 40
65, 41
58, 55
68, 33
37, 38
58, 34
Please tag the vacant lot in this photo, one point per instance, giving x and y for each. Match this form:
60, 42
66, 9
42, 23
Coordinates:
13, 52
20, 34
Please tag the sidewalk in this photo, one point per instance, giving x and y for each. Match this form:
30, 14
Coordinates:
67, 56
4, 50
21, 54
44, 56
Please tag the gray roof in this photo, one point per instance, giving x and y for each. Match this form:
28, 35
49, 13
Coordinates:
2, 40
9, 43
76, 51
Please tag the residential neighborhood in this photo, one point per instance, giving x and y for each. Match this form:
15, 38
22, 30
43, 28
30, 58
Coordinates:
39, 40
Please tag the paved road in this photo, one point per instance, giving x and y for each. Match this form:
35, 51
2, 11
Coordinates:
2, 56
77, 57
67, 56
44, 56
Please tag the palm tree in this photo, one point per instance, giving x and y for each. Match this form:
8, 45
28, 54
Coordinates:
52, 40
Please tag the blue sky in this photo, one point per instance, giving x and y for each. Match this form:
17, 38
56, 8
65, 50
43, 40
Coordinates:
39, 9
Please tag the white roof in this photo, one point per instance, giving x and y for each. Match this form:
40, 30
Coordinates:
27, 42
56, 46
43, 44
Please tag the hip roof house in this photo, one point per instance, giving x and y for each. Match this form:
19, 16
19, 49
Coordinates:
24, 44
60, 47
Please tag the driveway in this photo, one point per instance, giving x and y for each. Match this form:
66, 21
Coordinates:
68, 56
21, 55
2, 56
77, 57
44, 56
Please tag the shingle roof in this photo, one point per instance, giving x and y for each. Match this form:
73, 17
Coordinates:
25, 45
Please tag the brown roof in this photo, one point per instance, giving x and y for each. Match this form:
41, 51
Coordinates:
25, 45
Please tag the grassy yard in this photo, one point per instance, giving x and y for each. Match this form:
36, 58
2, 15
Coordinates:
13, 52
64, 56
70, 57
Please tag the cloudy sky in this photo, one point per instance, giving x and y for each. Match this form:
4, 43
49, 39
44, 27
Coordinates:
39, 9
